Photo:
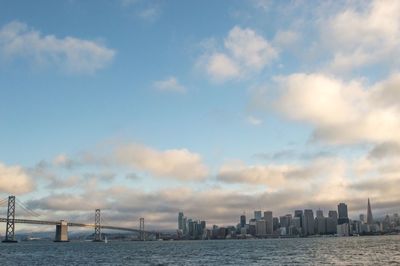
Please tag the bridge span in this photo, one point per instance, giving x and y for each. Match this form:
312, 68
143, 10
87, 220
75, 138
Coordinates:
62, 226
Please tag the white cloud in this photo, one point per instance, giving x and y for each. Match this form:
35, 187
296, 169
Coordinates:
169, 84
343, 112
254, 120
180, 164
14, 180
69, 54
363, 36
245, 52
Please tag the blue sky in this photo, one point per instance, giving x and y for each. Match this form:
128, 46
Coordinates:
191, 104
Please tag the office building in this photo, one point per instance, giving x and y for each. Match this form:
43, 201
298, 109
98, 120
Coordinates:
261, 228
343, 215
180, 221
270, 223
299, 214
242, 221
257, 215
308, 222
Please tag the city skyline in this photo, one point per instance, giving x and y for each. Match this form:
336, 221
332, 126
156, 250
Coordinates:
214, 108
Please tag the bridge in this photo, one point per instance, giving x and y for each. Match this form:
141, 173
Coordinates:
62, 225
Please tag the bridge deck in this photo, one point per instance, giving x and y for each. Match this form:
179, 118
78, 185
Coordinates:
26, 221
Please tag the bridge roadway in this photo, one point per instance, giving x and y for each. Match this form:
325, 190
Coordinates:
26, 221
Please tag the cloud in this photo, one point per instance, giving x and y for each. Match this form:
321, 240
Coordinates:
342, 112
244, 52
361, 36
254, 120
180, 164
385, 150
69, 54
14, 180
170, 84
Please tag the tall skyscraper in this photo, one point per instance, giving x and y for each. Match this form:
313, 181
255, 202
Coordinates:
242, 221
343, 215
270, 223
308, 222
320, 214
331, 222
299, 213
362, 218
261, 227
370, 219
257, 215
180, 221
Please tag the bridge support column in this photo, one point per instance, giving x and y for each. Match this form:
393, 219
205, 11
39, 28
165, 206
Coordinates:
61, 232
97, 233
141, 226
10, 225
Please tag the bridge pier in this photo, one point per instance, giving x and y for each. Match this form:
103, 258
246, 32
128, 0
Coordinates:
10, 225
97, 232
61, 232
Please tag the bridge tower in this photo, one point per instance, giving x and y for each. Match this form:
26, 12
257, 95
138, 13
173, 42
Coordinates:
10, 226
141, 229
97, 233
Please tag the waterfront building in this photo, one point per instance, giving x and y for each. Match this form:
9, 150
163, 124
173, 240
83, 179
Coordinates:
270, 223
319, 213
295, 226
343, 215
308, 222
343, 229
331, 225
370, 219
185, 227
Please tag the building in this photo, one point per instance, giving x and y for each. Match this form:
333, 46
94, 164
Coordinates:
275, 223
343, 215
261, 228
270, 223
362, 218
320, 223
257, 215
242, 221
331, 223
370, 219
343, 229
180, 221
308, 222
299, 213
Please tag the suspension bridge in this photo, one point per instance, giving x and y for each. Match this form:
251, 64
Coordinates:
61, 234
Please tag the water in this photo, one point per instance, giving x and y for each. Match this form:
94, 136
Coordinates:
375, 250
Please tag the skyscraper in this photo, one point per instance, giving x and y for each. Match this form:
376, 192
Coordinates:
343, 215
180, 221
269, 220
331, 223
308, 222
257, 215
299, 213
370, 219
242, 221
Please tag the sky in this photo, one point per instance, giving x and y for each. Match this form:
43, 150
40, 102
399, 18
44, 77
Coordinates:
214, 108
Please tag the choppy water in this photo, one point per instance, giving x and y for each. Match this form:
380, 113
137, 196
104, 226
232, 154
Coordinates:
382, 250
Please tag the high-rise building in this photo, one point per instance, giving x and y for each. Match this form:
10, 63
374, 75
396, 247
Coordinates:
270, 223
275, 223
261, 228
242, 221
308, 222
331, 222
343, 215
320, 213
362, 218
257, 215
299, 213
370, 219
185, 227
180, 221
